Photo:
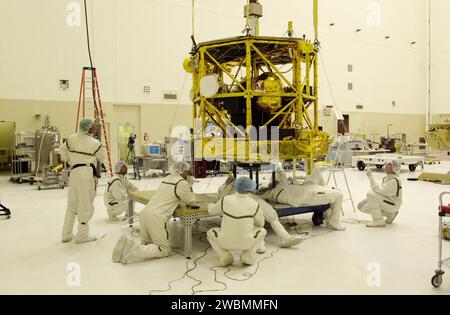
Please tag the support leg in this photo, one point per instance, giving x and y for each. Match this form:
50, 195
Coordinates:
144, 167
349, 191
336, 185
329, 176
273, 178
130, 211
257, 176
187, 223
294, 169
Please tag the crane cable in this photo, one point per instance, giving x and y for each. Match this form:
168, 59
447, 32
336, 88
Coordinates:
193, 18
316, 19
90, 58
330, 88
87, 34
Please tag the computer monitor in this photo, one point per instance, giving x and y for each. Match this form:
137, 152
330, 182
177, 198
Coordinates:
154, 149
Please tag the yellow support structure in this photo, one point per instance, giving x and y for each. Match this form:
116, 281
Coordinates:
243, 65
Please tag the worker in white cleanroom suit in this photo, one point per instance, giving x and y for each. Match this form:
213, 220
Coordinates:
312, 192
116, 193
383, 201
81, 151
154, 219
242, 224
270, 215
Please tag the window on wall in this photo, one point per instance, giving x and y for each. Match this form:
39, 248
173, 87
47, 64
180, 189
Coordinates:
350, 86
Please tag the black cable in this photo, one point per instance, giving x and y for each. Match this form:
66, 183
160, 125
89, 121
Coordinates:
307, 233
169, 284
199, 282
296, 226
172, 281
87, 34
187, 274
249, 275
246, 274
300, 233
92, 65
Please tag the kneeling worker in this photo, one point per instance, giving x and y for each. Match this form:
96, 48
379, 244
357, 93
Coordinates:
242, 224
116, 194
385, 200
154, 219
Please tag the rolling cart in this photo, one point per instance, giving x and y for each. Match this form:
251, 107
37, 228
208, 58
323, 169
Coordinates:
23, 155
53, 177
379, 160
444, 211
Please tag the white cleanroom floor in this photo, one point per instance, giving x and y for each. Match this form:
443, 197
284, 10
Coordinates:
398, 259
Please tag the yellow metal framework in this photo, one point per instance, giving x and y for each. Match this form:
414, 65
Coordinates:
439, 137
249, 57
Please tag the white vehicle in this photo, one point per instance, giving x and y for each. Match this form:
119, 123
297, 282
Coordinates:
379, 160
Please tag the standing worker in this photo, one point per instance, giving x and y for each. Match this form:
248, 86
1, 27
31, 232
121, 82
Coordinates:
82, 151
116, 194
154, 219
383, 201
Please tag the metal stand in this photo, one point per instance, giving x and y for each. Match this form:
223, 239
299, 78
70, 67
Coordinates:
134, 161
338, 166
130, 211
341, 168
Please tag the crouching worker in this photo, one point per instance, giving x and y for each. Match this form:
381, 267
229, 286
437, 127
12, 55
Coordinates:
116, 194
269, 213
383, 201
154, 219
242, 224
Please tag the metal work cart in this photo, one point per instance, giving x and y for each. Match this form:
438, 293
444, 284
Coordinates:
51, 178
444, 211
23, 156
379, 160
50, 171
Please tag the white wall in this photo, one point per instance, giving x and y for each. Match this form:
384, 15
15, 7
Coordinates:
143, 42
440, 61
